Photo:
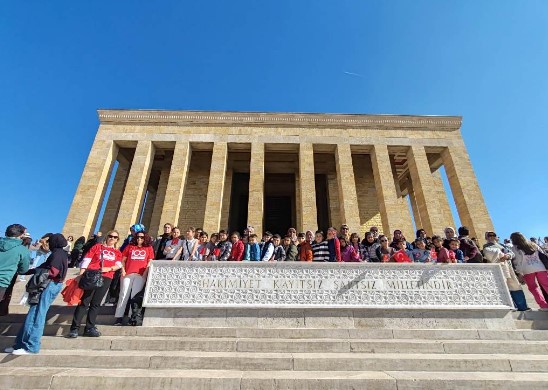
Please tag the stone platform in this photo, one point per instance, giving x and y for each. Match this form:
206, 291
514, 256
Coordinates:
279, 356
327, 295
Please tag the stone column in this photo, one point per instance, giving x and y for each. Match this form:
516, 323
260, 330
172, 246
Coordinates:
175, 184
466, 192
425, 191
155, 222
256, 188
348, 198
149, 209
386, 190
225, 210
115, 197
415, 209
308, 215
443, 201
88, 200
136, 185
215, 189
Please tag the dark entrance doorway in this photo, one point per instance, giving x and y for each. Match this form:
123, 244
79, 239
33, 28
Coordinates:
322, 204
279, 203
239, 199
277, 216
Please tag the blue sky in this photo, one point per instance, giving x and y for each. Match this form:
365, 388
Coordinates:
485, 60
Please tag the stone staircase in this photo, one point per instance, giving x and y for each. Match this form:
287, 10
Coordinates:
276, 358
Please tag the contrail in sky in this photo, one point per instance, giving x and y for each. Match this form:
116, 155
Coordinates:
353, 74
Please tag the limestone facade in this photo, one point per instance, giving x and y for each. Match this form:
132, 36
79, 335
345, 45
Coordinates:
227, 170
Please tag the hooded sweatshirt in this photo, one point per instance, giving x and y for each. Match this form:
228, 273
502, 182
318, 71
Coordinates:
57, 261
14, 258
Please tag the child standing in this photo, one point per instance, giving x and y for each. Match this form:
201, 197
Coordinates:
238, 248
348, 253
224, 246
203, 250
190, 246
320, 249
267, 247
172, 251
334, 245
369, 248
401, 254
254, 249
304, 248
290, 249
420, 254
279, 253
441, 253
454, 252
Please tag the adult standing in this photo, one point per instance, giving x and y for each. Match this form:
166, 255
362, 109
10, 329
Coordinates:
160, 243
495, 252
77, 251
292, 233
14, 257
471, 252
136, 258
449, 235
111, 260
55, 266
530, 267
345, 232
398, 236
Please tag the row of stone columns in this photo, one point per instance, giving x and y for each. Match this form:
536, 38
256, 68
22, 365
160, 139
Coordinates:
429, 203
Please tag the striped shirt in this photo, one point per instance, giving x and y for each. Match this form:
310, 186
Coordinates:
320, 251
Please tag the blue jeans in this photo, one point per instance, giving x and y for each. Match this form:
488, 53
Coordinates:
30, 334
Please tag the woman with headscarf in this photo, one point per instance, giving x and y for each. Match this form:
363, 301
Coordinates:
449, 235
28, 338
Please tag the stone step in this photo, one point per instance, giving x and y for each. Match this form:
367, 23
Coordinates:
92, 379
11, 329
137, 343
254, 361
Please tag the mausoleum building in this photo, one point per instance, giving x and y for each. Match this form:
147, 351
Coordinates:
227, 170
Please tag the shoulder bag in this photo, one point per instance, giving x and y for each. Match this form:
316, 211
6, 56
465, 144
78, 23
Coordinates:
92, 279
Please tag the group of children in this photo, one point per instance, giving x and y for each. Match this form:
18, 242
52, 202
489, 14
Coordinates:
334, 246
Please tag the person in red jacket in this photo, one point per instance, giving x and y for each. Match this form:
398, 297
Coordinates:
304, 248
238, 248
441, 253
112, 262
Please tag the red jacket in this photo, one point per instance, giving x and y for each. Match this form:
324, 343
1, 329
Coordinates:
237, 252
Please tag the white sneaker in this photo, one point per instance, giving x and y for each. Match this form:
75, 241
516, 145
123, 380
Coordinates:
21, 351
9, 350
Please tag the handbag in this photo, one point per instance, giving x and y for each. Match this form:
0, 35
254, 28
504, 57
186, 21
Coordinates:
92, 279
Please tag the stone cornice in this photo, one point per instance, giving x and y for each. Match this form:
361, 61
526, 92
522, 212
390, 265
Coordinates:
219, 118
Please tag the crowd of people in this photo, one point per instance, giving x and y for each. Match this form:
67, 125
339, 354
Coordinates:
116, 273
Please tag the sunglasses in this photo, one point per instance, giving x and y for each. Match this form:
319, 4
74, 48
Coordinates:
114, 237
384, 240
141, 237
